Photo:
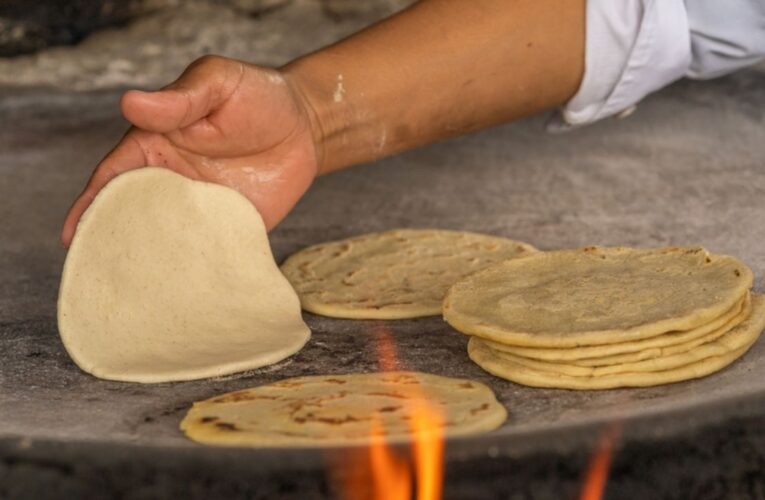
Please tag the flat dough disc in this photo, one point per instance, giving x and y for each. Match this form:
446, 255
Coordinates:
596, 296
722, 352
173, 279
392, 275
636, 350
340, 410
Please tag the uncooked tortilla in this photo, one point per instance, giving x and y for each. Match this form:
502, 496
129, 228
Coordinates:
596, 296
723, 353
173, 279
397, 274
341, 410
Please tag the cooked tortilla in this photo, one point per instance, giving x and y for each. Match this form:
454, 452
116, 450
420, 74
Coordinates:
702, 361
342, 410
596, 296
636, 350
397, 274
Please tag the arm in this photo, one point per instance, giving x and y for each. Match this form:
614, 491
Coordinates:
438, 69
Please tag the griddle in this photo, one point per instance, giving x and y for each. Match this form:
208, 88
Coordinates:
687, 168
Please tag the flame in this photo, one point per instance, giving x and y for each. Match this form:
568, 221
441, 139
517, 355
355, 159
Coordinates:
427, 427
384, 473
597, 473
391, 474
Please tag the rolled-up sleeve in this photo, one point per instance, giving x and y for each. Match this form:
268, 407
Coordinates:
635, 47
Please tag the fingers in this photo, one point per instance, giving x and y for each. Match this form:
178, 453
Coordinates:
126, 156
201, 89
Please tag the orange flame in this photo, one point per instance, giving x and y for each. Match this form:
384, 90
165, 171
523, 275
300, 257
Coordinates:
597, 473
391, 475
427, 427
381, 472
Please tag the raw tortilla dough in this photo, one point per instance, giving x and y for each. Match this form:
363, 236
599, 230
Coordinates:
397, 274
339, 410
596, 296
720, 353
173, 279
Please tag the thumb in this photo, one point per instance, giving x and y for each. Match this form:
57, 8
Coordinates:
203, 88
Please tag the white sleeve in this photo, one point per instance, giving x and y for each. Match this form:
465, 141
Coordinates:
725, 36
635, 47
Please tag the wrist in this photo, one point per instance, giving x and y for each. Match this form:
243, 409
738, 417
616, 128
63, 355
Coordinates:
304, 91
346, 126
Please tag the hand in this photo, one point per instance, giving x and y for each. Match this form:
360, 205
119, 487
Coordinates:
222, 121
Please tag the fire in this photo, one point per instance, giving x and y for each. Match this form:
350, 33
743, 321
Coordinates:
427, 426
382, 472
391, 475
597, 473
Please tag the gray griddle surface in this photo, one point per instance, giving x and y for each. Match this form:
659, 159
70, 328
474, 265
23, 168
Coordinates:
686, 169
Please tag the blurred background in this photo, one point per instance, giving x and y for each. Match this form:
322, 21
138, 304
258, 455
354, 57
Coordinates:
100, 44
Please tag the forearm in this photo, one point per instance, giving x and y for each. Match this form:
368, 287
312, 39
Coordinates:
438, 69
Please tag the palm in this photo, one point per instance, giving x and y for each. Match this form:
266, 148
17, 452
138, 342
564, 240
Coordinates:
249, 132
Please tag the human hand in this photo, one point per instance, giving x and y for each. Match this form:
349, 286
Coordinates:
222, 121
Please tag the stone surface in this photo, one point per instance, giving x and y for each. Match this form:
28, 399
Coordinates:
30, 26
166, 35
687, 168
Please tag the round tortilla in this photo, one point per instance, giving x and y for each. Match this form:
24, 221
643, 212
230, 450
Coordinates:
722, 353
671, 349
636, 350
341, 410
173, 279
596, 296
730, 340
397, 274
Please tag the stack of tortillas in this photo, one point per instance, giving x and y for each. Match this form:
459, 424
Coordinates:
599, 318
397, 274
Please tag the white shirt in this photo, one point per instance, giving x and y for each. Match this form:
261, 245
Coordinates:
635, 47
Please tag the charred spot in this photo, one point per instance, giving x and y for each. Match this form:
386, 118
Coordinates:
226, 426
337, 421
335, 381
708, 259
207, 420
467, 385
389, 409
234, 397
737, 272
481, 408
287, 383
